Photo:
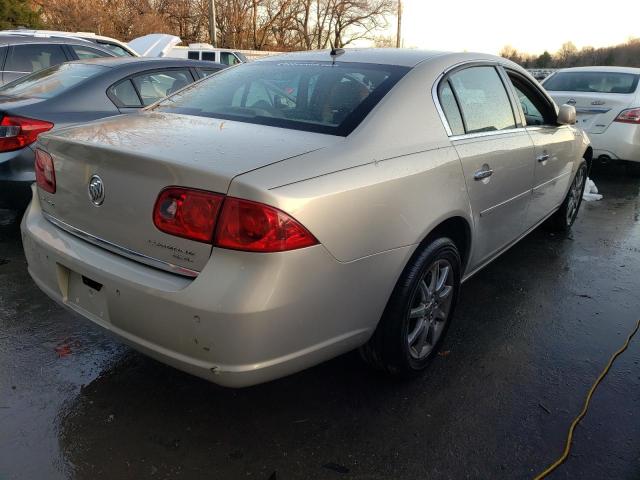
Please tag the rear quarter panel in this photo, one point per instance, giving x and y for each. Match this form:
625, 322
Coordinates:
386, 186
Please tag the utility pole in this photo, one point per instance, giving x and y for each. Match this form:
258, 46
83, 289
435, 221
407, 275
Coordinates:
212, 22
399, 33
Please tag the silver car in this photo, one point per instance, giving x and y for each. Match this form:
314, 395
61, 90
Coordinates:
607, 101
285, 211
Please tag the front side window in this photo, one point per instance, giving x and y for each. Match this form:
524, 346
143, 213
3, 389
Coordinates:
205, 72
532, 115
33, 57
51, 81
483, 100
228, 58
598, 82
87, 52
313, 96
156, 85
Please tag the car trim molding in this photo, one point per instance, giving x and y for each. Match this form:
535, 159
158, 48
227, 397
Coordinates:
490, 210
125, 252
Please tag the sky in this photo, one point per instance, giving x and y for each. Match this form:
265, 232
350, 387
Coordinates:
530, 26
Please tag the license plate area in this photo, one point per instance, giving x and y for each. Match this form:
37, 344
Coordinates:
87, 296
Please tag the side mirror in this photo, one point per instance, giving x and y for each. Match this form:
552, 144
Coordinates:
567, 115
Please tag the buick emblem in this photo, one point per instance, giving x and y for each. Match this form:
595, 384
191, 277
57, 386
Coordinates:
571, 101
96, 190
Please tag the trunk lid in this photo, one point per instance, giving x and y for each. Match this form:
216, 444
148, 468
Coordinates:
595, 111
136, 156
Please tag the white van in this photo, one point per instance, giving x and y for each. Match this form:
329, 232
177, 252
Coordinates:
205, 51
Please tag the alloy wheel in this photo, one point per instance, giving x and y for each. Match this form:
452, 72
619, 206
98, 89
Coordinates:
430, 308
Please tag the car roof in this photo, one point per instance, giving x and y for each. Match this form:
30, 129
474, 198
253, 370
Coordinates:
602, 69
383, 56
117, 62
18, 38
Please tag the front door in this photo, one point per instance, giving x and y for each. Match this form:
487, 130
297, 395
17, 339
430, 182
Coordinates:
554, 146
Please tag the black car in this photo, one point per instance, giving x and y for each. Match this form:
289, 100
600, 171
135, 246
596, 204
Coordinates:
24, 54
79, 92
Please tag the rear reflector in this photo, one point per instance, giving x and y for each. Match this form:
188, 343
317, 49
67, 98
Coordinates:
45, 173
256, 227
238, 224
187, 213
629, 116
18, 132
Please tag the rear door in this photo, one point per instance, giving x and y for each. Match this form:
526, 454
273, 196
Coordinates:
31, 57
598, 96
497, 157
554, 145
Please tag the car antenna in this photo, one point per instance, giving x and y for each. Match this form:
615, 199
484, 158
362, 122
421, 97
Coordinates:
335, 53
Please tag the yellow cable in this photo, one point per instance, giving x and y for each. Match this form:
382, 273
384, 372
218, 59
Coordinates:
567, 447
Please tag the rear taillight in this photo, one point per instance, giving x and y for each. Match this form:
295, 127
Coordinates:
631, 115
187, 213
45, 173
228, 222
256, 227
18, 132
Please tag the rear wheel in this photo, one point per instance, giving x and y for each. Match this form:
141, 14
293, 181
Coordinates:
563, 219
418, 313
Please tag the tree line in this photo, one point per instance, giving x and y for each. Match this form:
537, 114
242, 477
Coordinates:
245, 24
624, 55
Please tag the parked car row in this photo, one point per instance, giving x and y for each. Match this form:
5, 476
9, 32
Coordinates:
607, 102
282, 212
79, 92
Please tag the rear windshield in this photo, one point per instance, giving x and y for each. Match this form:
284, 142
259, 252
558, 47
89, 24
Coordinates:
317, 97
52, 81
597, 82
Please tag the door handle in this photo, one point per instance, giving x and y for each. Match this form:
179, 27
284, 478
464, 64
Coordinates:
482, 174
543, 158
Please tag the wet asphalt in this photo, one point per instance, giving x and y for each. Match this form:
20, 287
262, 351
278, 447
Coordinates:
531, 333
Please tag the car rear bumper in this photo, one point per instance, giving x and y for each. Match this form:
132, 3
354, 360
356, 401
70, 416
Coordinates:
246, 319
620, 141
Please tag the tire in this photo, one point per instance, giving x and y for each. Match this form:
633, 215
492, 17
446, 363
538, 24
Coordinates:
563, 219
391, 348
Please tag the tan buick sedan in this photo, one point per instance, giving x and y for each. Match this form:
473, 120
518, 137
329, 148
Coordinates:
285, 211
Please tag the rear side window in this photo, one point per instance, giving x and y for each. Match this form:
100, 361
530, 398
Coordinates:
117, 50
87, 52
483, 100
597, 82
156, 85
124, 95
193, 55
209, 56
451, 110
33, 57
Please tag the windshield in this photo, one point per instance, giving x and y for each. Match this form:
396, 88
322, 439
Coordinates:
317, 97
52, 81
599, 82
